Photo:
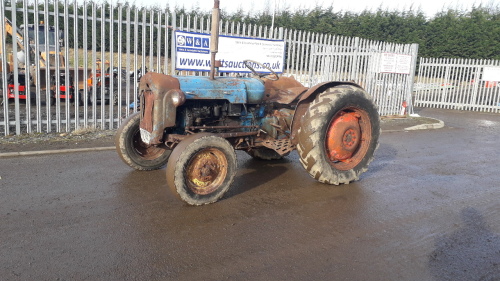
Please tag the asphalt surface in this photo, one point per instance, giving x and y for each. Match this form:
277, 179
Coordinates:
427, 209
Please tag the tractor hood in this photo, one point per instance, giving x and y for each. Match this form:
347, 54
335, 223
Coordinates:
235, 90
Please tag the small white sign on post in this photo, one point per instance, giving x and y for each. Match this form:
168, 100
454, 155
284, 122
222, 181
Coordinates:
491, 73
193, 53
395, 63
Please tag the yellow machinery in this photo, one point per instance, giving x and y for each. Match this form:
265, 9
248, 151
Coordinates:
42, 39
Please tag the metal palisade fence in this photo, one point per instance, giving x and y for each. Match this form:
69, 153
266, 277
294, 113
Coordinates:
385, 70
77, 66
464, 84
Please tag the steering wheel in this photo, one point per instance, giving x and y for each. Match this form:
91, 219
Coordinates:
247, 64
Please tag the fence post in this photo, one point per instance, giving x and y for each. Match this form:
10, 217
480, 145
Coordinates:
354, 65
312, 63
173, 53
4, 67
476, 84
411, 79
17, 115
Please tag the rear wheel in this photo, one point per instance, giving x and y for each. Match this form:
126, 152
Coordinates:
339, 135
201, 168
133, 151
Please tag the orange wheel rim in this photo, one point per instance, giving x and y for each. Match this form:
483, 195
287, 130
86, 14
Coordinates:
348, 137
206, 171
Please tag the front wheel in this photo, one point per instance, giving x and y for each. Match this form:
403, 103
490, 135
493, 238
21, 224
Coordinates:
133, 151
201, 168
339, 135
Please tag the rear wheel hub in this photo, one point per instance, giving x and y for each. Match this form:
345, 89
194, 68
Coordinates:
343, 137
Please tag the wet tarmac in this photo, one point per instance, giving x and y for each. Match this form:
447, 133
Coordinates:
427, 209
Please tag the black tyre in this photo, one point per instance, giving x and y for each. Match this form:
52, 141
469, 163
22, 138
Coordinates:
134, 152
52, 98
32, 98
339, 135
89, 98
201, 169
80, 97
264, 153
74, 97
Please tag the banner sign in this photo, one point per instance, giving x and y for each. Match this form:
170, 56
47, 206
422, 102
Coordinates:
395, 63
193, 53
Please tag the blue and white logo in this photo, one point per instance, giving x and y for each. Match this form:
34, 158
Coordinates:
197, 42
181, 40
205, 42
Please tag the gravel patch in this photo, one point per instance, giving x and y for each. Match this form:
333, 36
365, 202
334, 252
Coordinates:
81, 138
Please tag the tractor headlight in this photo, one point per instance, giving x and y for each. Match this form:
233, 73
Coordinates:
177, 97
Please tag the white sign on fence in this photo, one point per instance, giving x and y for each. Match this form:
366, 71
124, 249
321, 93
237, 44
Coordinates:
193, 52
395, 63
491, 74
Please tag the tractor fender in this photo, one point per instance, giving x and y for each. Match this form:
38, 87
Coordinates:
160, 97
307, 98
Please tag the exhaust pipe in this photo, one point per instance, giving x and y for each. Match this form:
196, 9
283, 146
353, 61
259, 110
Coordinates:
214, 37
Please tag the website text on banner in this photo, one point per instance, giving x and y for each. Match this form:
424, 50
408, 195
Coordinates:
193, 53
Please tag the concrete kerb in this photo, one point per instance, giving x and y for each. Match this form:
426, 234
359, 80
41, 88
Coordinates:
59, 151
411, 123
438, 125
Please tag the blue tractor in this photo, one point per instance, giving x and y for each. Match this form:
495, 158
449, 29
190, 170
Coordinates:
194, 125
